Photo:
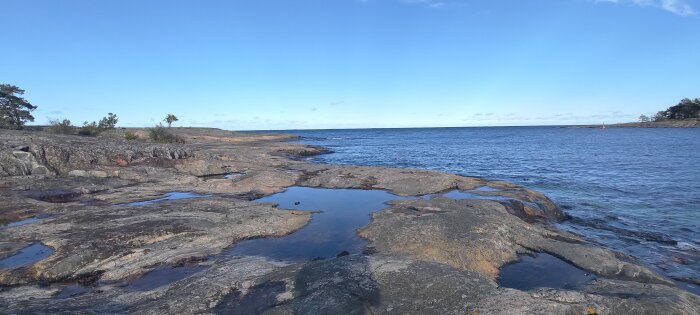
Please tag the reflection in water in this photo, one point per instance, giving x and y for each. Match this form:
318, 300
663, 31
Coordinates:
28, 220
644, 178
542, 270
26, 256
329, 233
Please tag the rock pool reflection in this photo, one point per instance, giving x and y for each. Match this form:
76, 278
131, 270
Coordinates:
26, 256
542, 271
329, 233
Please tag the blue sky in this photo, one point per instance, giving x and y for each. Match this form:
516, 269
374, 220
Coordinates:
283, 64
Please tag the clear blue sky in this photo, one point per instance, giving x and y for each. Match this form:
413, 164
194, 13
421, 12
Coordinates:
282, 64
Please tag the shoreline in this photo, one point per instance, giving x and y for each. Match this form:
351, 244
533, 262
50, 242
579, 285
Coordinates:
133, 171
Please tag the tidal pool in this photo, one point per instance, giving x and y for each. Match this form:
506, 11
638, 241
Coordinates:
542, 271
329, 233
26, 256
30, 220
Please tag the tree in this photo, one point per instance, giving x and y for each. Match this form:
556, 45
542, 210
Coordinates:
109, 122
685, 109
659, 116
15, 111
170, 119
644, 119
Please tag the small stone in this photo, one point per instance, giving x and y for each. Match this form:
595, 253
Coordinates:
40, 170
78, 173
121, 162
101, 174
22, 155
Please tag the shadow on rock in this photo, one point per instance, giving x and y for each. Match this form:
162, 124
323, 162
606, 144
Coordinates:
343, 285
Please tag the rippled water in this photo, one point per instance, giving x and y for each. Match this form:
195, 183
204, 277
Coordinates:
633, 190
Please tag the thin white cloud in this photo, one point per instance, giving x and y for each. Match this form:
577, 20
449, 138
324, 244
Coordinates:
434, 4
679, 7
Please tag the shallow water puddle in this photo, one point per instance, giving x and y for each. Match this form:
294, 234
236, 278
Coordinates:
166, 197
329, 233
231, 175
162, 276
29, 220
26, 256
542, 271
486, 188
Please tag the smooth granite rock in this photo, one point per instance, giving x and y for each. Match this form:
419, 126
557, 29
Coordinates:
425, 255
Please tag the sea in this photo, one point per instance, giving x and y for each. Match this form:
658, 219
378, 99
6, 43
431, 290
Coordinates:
634, 190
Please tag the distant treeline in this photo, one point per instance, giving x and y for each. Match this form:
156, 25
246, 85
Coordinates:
685, 109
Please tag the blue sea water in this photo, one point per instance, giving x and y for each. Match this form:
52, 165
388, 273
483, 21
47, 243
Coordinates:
636, 191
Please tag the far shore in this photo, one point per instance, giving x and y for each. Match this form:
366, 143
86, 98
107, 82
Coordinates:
680, 123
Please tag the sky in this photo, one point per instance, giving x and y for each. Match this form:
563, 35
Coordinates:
316, 64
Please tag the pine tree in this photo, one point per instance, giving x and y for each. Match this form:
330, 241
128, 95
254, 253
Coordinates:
15, 111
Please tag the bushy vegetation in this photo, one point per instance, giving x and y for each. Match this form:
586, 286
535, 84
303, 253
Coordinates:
685, 109
61, 126
89, 129
15, 111
109, 122
160, 134
95, 128
129, 135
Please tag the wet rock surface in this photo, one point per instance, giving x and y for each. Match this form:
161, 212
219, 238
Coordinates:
107, 219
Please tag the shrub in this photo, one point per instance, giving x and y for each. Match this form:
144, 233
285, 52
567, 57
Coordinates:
129, 135
60, 126
94, 128
89, 129
160, 134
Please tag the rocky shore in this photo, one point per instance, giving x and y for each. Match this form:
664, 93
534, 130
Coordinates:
80, 198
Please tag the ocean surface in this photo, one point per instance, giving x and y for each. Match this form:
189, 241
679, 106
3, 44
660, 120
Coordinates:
636, 191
